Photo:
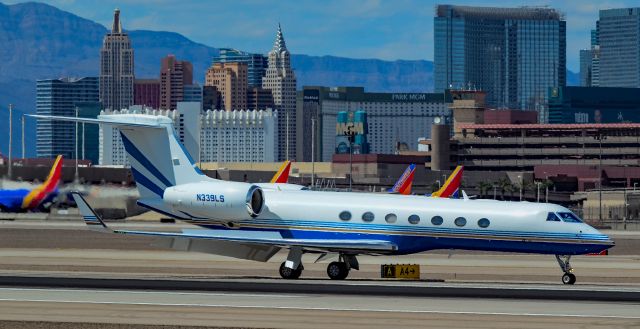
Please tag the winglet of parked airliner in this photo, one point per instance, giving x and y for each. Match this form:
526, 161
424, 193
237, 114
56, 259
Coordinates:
282, 175
93, 220
452, 184
405, 182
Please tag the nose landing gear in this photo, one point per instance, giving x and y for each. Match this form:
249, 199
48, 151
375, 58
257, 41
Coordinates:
568, 277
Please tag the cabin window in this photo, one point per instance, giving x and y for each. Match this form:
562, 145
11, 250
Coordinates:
437, 220
414, 219
345, 215
368, 216
552, 217
569, 217
460, 221
391, 218
483, 222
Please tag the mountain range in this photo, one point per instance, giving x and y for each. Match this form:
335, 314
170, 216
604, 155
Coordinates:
39, 41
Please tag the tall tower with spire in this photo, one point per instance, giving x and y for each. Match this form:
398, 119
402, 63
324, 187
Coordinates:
281, 80
116, 68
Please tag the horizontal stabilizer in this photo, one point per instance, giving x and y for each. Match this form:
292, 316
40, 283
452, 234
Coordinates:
129, 120
93, 221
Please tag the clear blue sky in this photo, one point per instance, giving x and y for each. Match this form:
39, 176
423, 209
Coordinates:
398, 29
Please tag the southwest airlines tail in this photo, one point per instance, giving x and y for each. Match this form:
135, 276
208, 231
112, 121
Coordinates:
405, 182
282, 175
35, 197
157, 159
451, 186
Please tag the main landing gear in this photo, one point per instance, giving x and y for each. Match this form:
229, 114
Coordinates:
292, 268
568, 277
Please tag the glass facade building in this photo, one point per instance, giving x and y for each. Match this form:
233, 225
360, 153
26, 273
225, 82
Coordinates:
257, 64
594, 105
62, 97
619, 38
514, 54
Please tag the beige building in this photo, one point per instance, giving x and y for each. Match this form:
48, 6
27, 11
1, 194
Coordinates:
281, 80
230, 80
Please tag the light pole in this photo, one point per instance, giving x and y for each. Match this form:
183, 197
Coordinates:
22, 119
600, 137
521, 182
351, 135
439, 183
313, 152
9, 173
77, 176
495, 192
634, 186
538, 193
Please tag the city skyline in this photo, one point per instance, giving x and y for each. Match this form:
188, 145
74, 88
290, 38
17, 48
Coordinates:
327, 28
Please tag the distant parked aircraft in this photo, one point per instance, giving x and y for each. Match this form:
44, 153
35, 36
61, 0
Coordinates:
21, 200
451, 187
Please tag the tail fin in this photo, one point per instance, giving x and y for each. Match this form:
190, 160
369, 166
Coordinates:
157, 159
405, 182
451, 186
93, 221
33, 199
282, 175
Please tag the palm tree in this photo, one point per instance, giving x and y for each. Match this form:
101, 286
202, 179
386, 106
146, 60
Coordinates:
505, 186
483, 187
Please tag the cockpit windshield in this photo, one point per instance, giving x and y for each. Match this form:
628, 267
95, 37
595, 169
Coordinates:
552, 217
569, 217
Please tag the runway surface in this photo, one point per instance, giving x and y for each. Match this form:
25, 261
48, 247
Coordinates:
37, 251
300, 310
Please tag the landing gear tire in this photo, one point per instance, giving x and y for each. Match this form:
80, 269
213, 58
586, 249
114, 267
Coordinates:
290, 274
337, 270
568, 278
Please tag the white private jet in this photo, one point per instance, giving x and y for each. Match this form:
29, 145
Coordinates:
246, 221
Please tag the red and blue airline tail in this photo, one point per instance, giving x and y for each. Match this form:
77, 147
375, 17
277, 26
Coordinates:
404, 184
452, 186
282, 175
35, 197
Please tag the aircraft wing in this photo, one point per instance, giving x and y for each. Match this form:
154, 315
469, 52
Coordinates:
266, 239
273, 240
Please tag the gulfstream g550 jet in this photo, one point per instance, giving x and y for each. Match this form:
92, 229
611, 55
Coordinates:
245, 221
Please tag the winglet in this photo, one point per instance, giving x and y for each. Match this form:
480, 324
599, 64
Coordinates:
93, 221
282, 176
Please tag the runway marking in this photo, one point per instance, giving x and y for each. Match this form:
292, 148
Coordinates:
149, 292
299, 308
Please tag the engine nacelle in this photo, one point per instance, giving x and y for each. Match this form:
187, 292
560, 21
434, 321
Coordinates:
221, 200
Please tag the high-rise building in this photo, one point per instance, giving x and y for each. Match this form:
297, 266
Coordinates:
146, 92
63, 97
230, 80
586, 56
238, 136
116, 68
514, 54
259, 99
395, 121
192, 93
211, 98
590, 61
256, 64
281, 80
619, 39
174, 75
